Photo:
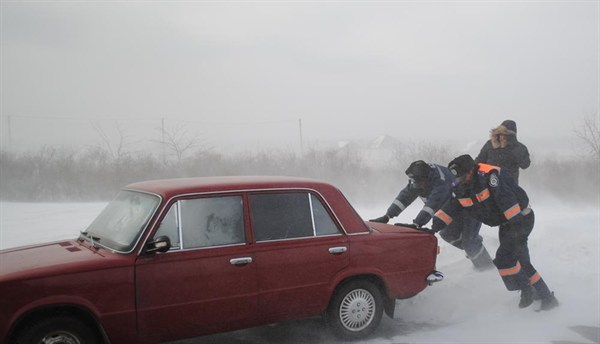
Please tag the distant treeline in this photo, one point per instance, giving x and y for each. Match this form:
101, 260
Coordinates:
52, 174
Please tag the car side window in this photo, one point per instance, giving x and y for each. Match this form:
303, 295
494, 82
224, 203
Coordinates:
324, 225
289, 215
204, 222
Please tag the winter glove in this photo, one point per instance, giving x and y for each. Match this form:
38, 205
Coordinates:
427, 230
437, 225
422, 218
382, 219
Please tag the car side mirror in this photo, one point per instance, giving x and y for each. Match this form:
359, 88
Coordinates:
161, 245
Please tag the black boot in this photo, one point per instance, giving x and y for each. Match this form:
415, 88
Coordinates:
549, 302
536, 295
482, 261
526, 297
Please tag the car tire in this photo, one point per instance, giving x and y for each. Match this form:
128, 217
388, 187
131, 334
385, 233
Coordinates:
355, 310
59, 329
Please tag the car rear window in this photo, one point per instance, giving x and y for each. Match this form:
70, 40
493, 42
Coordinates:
277, 216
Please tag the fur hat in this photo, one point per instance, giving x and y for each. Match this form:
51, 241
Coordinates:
461, 165
507, 127
510, 125
418, 170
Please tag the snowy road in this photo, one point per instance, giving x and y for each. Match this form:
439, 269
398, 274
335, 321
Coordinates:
467, 307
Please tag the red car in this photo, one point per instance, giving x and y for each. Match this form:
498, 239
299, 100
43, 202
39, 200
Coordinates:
173, 259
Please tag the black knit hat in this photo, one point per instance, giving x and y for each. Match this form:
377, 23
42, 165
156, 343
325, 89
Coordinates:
418, 170
510, 125
461, 165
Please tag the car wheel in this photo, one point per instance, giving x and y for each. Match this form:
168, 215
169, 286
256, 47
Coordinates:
58, 330
355, 310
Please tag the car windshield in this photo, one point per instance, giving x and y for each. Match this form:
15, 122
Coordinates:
121, 223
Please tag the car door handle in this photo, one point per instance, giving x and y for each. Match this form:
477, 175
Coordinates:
338, 250
240, 261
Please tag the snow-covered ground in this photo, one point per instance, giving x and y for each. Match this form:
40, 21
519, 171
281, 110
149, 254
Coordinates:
467, 307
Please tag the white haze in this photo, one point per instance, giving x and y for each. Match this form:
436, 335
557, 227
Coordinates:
245, 73
467, 307
292, 74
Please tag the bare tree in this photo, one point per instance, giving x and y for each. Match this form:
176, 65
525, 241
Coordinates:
589, 135
116, 150
178, 141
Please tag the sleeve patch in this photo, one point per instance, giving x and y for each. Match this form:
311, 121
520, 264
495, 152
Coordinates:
493, 180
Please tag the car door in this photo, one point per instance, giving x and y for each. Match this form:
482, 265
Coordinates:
299, 250
207, 281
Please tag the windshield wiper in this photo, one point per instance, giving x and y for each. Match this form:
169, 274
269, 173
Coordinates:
86, 234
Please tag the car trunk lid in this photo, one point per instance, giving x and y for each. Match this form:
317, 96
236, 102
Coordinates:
386, 228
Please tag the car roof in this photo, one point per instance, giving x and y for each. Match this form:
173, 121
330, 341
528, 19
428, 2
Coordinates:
171, 188
168, 188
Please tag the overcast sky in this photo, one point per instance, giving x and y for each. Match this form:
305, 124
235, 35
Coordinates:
251, 70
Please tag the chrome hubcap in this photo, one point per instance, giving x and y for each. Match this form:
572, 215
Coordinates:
357, 310
60, 337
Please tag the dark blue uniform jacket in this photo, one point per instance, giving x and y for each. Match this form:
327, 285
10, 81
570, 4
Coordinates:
436, 191
492, 197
